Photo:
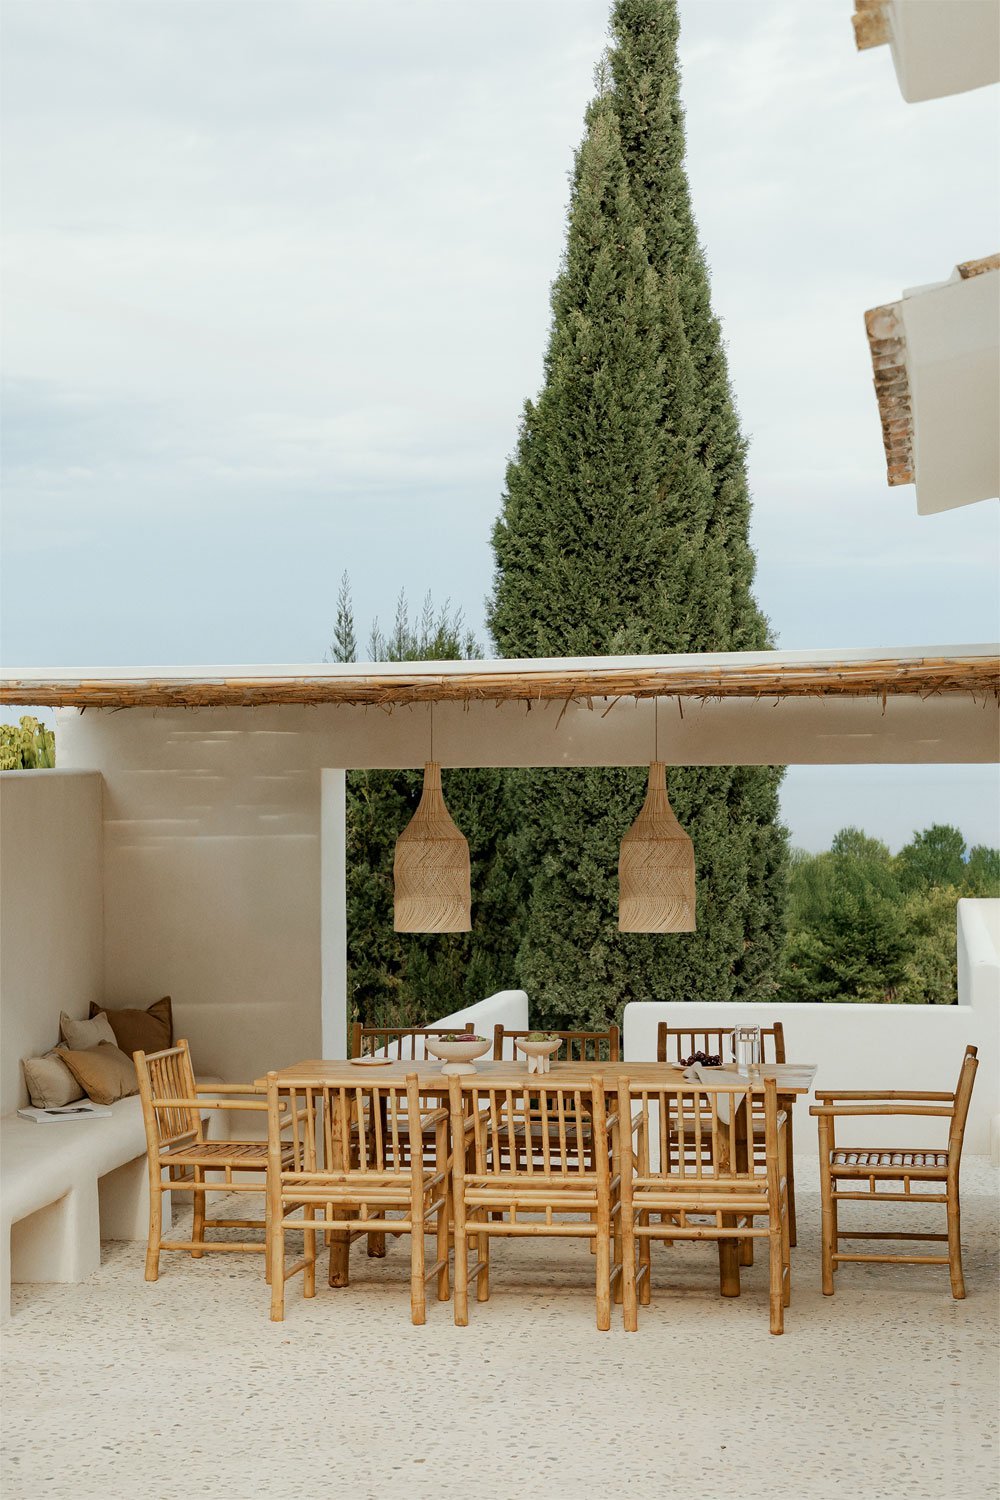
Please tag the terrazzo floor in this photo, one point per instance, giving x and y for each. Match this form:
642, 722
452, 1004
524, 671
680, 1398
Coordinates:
119, 1389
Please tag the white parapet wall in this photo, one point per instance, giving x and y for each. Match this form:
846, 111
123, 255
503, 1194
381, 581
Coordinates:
877, 1046
508, 1007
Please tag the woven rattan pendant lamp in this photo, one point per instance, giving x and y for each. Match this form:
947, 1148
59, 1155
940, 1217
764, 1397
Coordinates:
656, 862
430, 871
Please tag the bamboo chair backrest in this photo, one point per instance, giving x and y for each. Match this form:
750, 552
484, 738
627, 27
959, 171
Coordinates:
572, 1119
687, 1132
676, 1042
575, 1046
168, 1075
403, 1042
963, 1097
369, 1123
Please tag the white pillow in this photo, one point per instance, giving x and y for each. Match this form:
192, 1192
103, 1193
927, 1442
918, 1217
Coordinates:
79, 1035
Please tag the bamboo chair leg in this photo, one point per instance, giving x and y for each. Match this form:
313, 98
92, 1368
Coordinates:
746, 1251
418, 1291
483, 1279
309, 1251
603, 1267
776, 1267
828, 1226
155, 1226
277, 1265
645, 1259
376, 1246
630, 1310
790, 1174
955, 1243
267, 1237
461, 1267
443, 1241
198, 1213
786, 1252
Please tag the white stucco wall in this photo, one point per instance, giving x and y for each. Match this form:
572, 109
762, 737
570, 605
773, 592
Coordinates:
51, 912
878, 1046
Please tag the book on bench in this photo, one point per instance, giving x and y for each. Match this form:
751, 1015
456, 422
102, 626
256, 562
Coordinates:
83, 1109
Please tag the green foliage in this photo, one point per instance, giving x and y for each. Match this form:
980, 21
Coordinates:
866, 926
27, 746
400, 978
624, 528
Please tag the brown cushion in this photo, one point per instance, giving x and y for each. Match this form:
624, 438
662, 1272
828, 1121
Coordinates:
50, 1082
104, 1072
83, 1034
149, 1030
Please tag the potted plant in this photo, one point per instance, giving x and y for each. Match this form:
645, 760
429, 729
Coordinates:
457, 1051
538, 1047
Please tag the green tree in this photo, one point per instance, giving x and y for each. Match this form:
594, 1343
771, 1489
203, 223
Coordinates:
27, 746
934, 857
401, 978
624, 529
982, 872
847, 937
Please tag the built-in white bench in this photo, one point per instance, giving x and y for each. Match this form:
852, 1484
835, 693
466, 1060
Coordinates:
66, 1186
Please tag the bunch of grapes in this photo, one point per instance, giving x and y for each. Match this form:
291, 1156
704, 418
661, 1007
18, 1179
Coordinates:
707, 1060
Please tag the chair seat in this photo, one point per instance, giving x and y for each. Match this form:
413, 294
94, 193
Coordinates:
851, 1157
249, 1154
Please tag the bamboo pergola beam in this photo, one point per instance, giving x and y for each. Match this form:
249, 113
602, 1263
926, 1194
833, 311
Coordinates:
879, 678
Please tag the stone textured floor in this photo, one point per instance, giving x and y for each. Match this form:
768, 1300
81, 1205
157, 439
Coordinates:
120, 1389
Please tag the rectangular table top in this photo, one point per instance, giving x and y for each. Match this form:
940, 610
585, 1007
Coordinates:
791, 1078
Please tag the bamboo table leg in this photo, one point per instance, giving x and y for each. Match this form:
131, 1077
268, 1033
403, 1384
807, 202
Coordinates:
744, 1149
787, 1103
340, 1239
729, 1249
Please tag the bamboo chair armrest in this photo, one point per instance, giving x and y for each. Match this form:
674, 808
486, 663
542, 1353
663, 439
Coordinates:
229, 1088
876, 1094
433, 1118
832, 1111
195, 1103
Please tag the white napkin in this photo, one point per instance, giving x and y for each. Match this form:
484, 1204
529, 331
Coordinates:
700, 1074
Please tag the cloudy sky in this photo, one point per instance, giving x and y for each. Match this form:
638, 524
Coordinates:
276, 286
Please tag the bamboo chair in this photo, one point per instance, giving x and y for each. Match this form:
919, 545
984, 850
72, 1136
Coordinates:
495, 1183
576, 1046
675, 1042
693, 1174
400, 1042
404, 1043
856, 1166
374, 1166
172, 1105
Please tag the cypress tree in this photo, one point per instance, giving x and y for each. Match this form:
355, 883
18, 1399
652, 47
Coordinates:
624, 528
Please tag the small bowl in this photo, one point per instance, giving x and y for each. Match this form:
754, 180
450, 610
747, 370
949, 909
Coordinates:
538, 1053
458, 1057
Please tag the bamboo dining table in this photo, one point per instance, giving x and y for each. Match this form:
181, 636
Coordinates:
793, 1080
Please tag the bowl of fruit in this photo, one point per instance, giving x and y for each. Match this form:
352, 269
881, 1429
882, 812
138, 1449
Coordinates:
457, 1051
702, 1060
538, 1047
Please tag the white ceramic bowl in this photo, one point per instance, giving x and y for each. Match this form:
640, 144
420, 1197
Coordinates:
458, 1057
538, 1053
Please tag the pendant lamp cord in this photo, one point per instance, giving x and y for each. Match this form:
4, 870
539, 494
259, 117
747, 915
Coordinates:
656, 729
432, 730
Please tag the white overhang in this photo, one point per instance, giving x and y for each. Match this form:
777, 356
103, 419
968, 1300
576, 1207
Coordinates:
938, 47
936, 360
905, 705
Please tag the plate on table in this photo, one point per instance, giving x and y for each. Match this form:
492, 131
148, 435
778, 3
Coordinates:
371, 1062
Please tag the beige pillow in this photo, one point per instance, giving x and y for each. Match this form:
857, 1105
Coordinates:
149, 1030
81, 1035
50, 1082
103, 1072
